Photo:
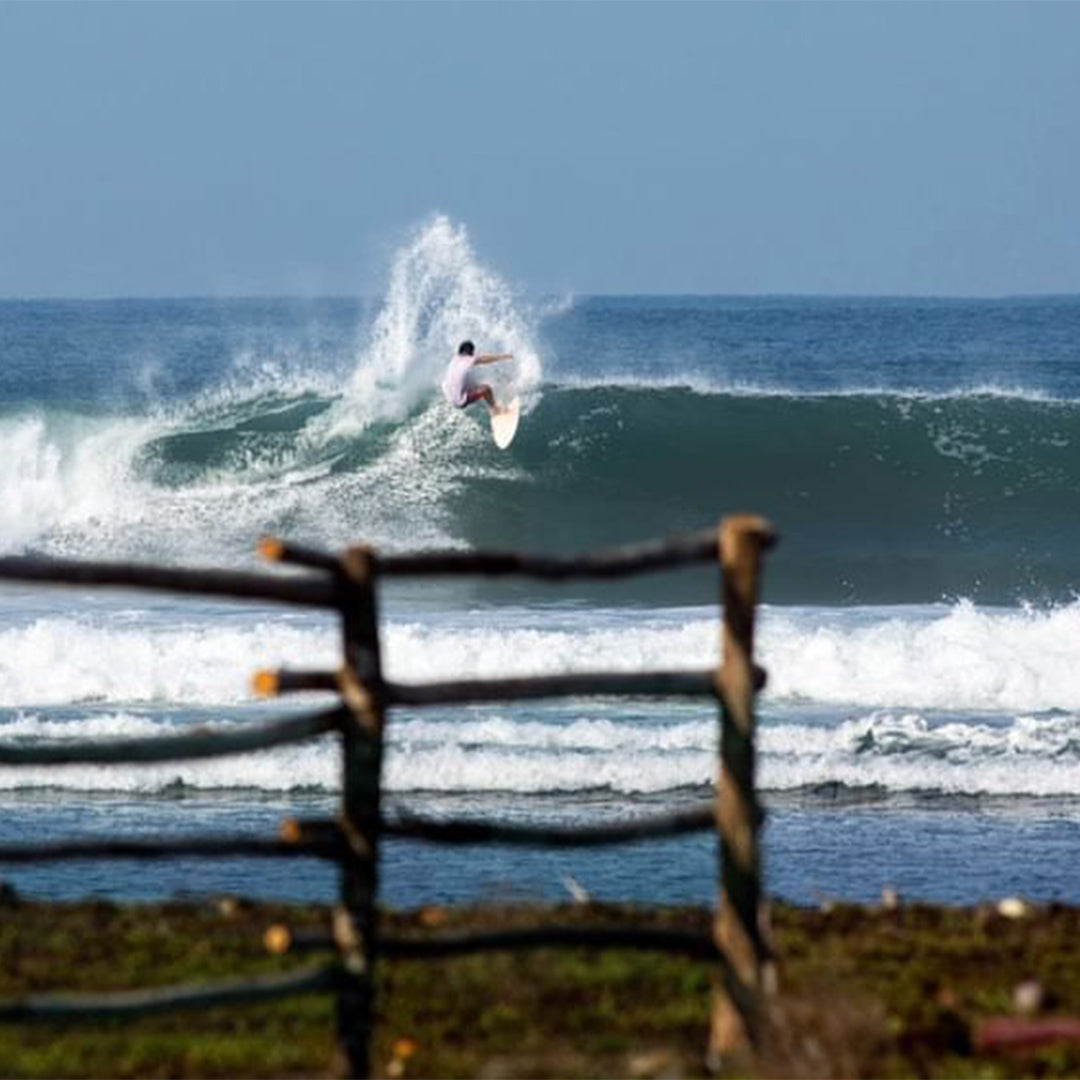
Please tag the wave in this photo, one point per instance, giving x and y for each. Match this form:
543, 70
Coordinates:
882, 495
710, 385
482, 751
277, 446
945, 658
954, 700
879, 498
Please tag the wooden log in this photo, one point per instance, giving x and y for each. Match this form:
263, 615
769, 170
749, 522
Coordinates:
189, 746
689, 943
679, 942
734, 1028
290, 681
274, 550
364, 695
234, 584
168, 847
584, 684
653, 826
132, 1003
612, 563
636, 684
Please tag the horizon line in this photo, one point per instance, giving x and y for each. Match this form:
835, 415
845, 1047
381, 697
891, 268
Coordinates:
374, 297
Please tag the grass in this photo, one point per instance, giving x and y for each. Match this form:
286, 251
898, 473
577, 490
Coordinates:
864, 991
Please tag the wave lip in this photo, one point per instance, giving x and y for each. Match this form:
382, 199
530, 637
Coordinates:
707, 385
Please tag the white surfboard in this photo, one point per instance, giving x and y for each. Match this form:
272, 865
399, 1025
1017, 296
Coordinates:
504, 423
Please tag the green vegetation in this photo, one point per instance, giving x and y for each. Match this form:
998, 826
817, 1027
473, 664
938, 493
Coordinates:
864, 992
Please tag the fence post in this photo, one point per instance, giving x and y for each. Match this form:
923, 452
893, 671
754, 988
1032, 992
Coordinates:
737, 928
362, 689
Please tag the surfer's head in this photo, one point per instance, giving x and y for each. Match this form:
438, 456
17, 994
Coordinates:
466, 348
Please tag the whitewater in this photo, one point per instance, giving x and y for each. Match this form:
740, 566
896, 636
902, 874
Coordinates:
920, 623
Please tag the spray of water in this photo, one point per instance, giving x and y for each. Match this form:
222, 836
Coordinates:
199, 478
439, 295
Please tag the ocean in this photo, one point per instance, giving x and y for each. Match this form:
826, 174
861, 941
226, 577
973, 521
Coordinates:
920, 620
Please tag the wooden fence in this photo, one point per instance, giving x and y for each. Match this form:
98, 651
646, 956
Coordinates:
348, 586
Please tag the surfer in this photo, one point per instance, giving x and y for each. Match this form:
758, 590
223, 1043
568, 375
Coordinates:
457, 384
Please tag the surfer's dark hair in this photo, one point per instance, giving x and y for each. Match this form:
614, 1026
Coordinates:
466, 348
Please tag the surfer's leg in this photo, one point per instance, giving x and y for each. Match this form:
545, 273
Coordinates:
482, 393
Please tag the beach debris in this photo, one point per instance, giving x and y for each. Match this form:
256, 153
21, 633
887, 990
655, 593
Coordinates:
1012, 907
278, 939
432, 915
400, 1052
890, 898
1028, 997
579, 894
229, 907
1020, 1033
652, 1065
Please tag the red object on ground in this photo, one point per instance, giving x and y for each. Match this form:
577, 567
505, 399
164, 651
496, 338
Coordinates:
1024, 1033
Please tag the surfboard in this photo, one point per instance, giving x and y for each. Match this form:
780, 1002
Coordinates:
504, 423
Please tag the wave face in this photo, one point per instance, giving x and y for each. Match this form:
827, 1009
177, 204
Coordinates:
879, 498
906, 450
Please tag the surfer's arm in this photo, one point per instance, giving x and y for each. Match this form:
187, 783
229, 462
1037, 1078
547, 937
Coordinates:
494, 358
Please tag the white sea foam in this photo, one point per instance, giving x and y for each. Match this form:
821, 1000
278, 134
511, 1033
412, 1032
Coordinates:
950, 699
956, 657
57, 660
480, 751
89, 487
707, 384
439, 295
1025, 755
67, 475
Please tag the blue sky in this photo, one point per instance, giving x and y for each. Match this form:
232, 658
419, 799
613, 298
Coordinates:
251, 148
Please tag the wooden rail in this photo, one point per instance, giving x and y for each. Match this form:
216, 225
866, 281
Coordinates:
696, 946
646, 827
230, 584
348, 585
172, 847
613, 563
135, 1003
187, 746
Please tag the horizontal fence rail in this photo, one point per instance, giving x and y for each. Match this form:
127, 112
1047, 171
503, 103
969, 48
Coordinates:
305, 591
173, 847
697, 946
651, 827
135, 1003
345, 584
615, 562
475, 691
698, 817
323, 838
187, 746
614, 684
